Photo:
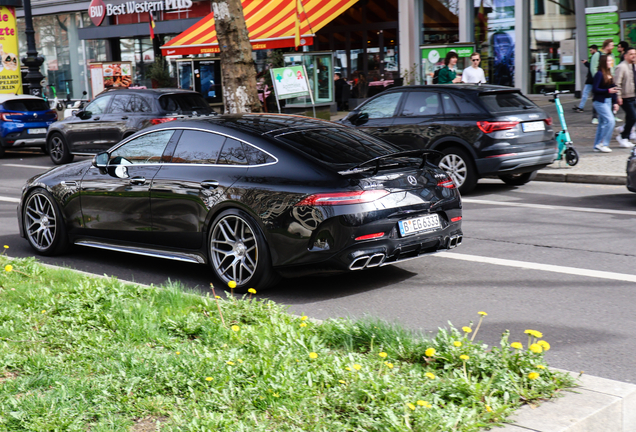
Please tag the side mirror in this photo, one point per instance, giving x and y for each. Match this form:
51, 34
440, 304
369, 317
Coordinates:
75, 112
352, 116
101, 160
84, 115
361, 118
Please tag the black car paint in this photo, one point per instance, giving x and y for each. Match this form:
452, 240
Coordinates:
173, 210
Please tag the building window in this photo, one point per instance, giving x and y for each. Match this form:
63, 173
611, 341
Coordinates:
539, 7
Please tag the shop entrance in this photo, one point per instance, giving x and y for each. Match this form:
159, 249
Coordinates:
202, 76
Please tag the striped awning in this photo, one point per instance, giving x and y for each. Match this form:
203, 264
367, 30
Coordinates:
271, 24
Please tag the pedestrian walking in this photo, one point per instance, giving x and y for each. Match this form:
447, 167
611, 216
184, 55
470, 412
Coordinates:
622, 49
606, 49
625, 80
474, 74
605, 100
589, 80
447, 74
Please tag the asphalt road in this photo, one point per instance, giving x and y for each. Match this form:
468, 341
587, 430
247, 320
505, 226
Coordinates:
553, 257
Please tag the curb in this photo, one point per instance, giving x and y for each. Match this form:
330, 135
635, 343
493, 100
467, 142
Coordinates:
608, 179
599, 405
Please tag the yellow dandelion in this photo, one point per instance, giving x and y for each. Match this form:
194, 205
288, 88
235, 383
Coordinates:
348, 368
209, 378
303, 324
383, 354
251, 291
303, 318
43, 311
540, 367
533, 375
536, 348
342, 382
389, 365
534, 333
235, 328
411, 406
231, 363
6, 247
231, 284
516, 345
544, 345
430, 352
429, 375
8, 268
464, 357
178, 352
313, 355
218, 297
357, 366
482, 313
239, 360
457, 343
488, 408
424, 404
467, 329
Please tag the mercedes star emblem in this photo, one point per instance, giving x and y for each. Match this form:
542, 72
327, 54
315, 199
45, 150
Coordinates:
412, 180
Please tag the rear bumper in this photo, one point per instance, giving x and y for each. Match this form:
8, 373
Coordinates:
24, 139
516, 163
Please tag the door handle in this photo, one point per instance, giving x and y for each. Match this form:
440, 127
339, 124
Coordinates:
137, 180
382, 129
95, 118
435, 127
124, 118
209, 184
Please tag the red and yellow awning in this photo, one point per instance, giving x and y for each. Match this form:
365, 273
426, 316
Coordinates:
271, 24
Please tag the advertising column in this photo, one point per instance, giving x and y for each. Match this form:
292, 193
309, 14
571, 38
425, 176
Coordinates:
10, 76
602, 24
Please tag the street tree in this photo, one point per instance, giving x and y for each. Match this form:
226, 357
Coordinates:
237, 65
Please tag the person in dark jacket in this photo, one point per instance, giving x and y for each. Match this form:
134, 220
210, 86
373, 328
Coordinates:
339, 83
589, 80
605, 103
447, 74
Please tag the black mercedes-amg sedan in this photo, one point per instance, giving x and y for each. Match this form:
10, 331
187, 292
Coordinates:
255, 196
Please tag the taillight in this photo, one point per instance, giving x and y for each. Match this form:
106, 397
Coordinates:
548, 121
487, 127
370, 236
5, 116
157, 121
53, 113
342, 198
456, 219
448, 183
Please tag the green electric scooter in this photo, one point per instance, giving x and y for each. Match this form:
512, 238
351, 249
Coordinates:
565, 147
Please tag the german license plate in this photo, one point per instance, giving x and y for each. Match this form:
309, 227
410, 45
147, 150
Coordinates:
36, 131
533, 126
418, 225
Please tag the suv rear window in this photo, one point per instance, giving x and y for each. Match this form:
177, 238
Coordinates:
503, 102
184, 103
336, 146
24, 105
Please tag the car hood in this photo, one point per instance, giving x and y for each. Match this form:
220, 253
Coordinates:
54, 176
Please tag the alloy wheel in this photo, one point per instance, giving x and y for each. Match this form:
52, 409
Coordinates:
41, 222
455, 167
234, 250
57, 148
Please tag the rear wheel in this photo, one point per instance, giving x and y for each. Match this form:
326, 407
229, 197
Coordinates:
518, 179
571, 156
58, 150
238, 252
43, 223
459, 166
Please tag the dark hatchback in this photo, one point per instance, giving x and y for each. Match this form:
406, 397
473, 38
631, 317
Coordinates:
483, 130
254, 196
117, 114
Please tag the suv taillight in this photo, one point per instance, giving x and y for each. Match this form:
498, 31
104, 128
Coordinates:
53, 113
5, 116
487, 127
157, 121
548, 121
342, 198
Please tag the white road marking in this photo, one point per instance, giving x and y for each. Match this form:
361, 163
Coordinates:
7, 199
549, 207
542, 267
26, 166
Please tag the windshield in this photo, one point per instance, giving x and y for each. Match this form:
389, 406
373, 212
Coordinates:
502, 102
184, 103
25, 105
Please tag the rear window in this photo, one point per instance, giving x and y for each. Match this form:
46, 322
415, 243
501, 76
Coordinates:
337, 146
184, 103
24, 105
503, 102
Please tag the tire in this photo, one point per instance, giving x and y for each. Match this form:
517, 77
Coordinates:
43, 223
459, 165
44, 149
238, 251
58, 150
571, 156
518, 179
1, 151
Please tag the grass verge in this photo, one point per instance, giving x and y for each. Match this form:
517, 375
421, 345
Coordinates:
80, 353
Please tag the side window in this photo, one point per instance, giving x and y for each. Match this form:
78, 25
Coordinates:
256, 157
198, 147
142, 105
382, 107
450, 107
232, 153
146, 149
467, 106
122, 103
422, 104
99, 105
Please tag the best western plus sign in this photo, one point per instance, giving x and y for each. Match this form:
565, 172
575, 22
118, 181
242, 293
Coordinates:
97, 10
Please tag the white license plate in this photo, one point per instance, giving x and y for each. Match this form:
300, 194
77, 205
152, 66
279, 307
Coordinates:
533, 126
418, 225
36, 131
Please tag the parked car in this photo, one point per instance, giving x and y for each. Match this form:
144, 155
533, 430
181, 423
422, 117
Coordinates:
483, 130
631, 171
254, 196
116, 114
24, 121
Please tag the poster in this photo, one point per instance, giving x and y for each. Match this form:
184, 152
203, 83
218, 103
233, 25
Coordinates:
107, 75
501, 34
629, 31
290, 82
433, 58
10, 76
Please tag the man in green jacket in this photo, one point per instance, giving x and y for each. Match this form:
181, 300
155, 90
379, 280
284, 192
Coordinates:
447, 74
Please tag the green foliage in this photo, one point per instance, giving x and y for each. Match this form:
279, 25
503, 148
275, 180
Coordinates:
159, 73
80, 353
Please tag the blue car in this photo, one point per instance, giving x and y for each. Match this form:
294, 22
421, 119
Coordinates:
24, 121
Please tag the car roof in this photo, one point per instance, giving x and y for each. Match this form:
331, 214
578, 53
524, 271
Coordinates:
482, 88
160, 92
7, 97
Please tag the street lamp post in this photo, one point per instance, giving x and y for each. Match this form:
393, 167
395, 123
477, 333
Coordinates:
32, 60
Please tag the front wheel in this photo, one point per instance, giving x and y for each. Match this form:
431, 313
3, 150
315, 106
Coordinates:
43, 223
238, 252
459, 166
58, 150
518, 179
571, 156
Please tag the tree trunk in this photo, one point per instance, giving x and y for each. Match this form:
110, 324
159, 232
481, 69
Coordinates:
237, 66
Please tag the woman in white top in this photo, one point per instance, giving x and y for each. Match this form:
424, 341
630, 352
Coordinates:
474, 74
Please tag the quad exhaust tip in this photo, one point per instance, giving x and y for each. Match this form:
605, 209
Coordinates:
454, 241
367, 261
